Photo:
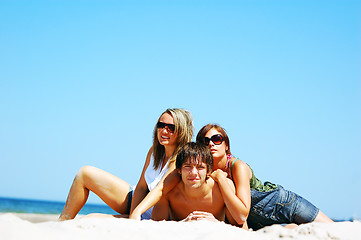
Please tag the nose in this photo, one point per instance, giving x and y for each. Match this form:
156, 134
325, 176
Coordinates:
166, 129
194, 170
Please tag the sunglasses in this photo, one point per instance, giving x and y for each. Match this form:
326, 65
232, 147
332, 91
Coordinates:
170, 127
216, 139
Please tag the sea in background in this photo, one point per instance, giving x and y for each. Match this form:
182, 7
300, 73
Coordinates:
18, 205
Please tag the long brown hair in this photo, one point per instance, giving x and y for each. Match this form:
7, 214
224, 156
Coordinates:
183, 122
202, 133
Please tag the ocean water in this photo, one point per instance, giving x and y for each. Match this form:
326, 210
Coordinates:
46, 207
18, 205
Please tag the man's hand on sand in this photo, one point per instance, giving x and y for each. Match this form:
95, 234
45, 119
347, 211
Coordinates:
198, 215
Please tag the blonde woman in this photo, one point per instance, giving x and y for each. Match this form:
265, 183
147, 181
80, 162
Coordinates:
173, 130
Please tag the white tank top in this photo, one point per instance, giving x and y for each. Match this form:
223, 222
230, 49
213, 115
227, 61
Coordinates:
153, 176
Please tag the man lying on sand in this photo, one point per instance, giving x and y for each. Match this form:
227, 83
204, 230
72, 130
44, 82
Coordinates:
197, 196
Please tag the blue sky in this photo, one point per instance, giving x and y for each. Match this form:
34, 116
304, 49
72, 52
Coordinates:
83, 83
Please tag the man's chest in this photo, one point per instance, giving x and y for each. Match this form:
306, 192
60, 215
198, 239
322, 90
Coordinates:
181, 207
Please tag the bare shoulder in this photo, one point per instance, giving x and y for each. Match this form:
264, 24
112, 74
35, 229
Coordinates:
147, 161
215, 185
176, 195
176, 190
150, 152
241, 168
238, 162
171, 180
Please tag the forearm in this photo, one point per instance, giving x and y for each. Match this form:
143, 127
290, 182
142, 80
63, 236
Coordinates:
149, 201
139, 194
238, 208
164, 186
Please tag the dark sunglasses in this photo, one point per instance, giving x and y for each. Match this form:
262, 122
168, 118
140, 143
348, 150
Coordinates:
216, 139
170, 127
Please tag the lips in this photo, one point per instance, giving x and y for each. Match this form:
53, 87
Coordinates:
193, 179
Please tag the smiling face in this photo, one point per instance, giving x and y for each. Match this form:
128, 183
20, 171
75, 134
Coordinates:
218, 151
165, 136
194, 173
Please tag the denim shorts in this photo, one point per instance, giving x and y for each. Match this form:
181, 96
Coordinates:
279, 206
146, 215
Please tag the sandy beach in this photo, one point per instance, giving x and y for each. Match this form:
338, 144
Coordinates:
40, 226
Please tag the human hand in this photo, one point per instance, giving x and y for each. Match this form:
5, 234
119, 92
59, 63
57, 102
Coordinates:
218, 174
135, 216
198, 215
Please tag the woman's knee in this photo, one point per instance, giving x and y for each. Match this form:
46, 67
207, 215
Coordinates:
85, 172
321, 217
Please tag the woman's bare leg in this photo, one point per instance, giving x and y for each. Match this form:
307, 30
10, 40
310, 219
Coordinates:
111, 189
321, 217
291, 225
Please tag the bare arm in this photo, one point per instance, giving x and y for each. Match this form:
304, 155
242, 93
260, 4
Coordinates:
161, 209
170, 179
141, 189
237, 204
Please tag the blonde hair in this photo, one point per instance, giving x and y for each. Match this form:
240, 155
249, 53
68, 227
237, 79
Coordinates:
183, 122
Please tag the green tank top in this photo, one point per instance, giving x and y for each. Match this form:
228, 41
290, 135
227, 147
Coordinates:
255, 183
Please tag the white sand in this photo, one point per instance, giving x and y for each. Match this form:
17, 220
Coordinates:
36, 226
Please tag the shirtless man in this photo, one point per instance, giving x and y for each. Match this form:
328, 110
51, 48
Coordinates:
197, 196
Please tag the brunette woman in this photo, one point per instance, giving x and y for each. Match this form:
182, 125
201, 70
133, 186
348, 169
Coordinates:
262, 204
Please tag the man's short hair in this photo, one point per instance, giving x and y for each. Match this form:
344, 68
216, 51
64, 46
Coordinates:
194, 153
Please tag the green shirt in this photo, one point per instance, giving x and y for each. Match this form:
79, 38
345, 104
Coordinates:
255, 183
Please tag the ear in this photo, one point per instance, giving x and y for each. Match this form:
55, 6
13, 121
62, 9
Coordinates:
208, 175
